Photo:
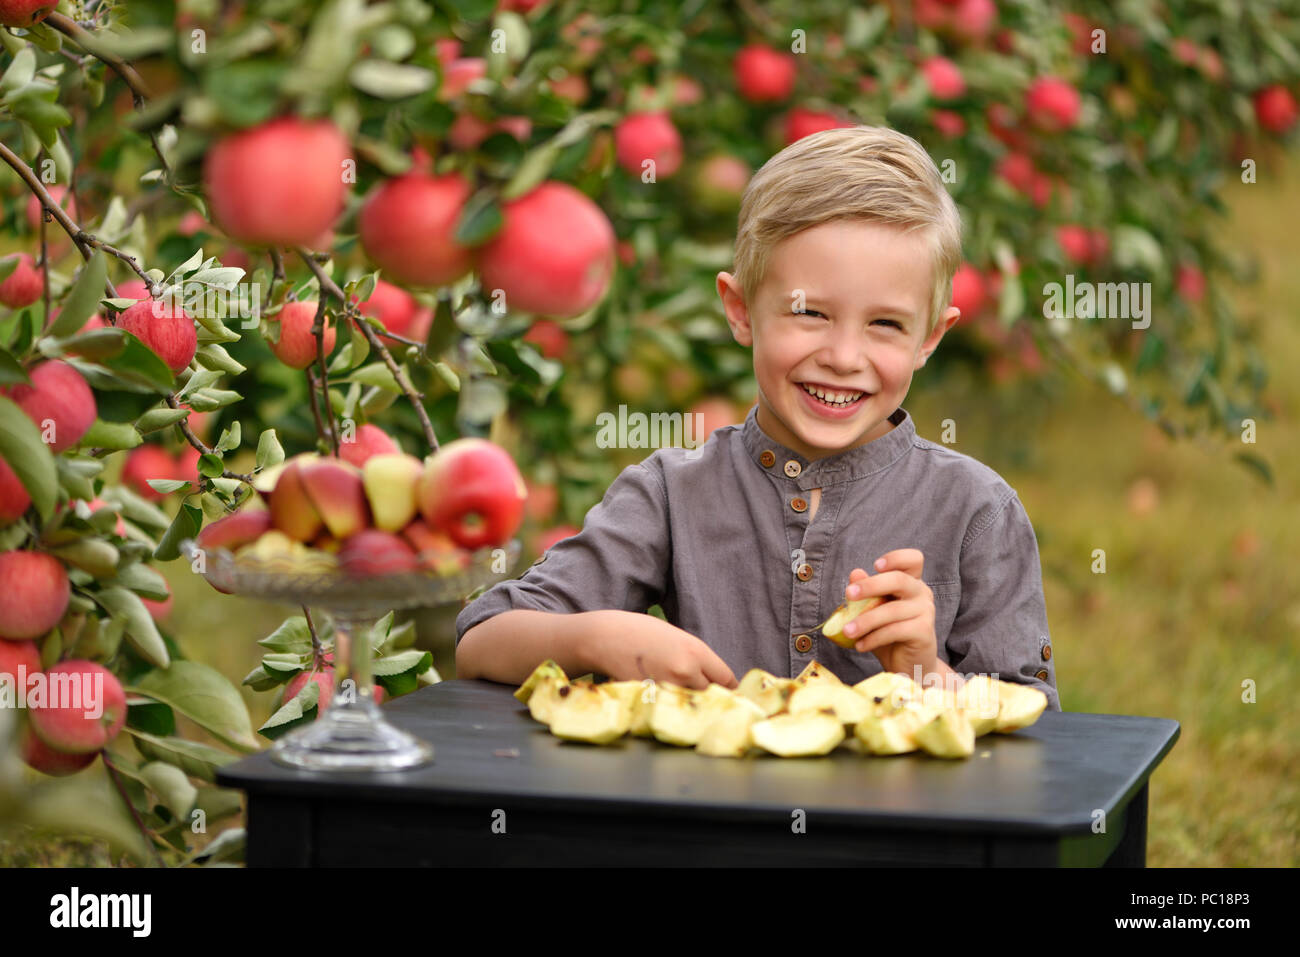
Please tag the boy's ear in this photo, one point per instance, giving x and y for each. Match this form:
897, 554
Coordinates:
733, 304
946, 322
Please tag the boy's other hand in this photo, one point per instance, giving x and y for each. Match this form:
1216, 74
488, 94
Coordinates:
900, 632
643, 646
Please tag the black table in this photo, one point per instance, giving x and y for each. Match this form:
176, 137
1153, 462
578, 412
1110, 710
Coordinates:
1069, 791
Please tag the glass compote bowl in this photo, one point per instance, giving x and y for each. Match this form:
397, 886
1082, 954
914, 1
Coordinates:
352, 733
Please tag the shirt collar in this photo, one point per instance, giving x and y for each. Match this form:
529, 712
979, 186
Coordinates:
842, 466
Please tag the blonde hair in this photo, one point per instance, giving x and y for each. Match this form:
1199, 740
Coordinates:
869, 173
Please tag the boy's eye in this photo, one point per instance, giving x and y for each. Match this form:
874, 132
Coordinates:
807, 312
893, 322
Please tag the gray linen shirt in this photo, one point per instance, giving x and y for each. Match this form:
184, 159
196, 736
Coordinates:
721, 540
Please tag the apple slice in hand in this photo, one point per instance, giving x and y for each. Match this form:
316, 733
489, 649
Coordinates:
833, 627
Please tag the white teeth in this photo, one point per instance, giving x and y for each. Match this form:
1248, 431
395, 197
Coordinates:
832, 398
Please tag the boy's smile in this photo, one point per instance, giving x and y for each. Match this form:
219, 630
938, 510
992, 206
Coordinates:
830, 376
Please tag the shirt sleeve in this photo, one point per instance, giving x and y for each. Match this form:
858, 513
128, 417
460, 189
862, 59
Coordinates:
620, 559
1001, 623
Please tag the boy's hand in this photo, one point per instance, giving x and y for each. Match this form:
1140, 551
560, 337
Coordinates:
899, 632
634, 647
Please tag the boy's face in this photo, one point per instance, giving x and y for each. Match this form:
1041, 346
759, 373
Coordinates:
865, 295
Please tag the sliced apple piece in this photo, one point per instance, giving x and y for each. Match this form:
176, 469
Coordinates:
833, 627
766, 690
643, 706
624, 692
887, 691
948, 735
894, 732
799, 735
584, 713
545, 696
547, 669
848, 706
680, 715
978, 697
817, 673
728, 735
1019, 706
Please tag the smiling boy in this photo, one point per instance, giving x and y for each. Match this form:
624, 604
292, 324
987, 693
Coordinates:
846, 247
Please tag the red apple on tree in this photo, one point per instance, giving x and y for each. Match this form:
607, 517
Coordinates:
164, 328
1275, 108
24, 285
394, 307
280, 183
41, 757
16, 655
472, 490
549, 337
34, 593
368, 440
968, 291
57, 193
764, 75
296, 346
13, 495
24, 13
554, 254
146, 462
943, 78
648, 136
407, 227
85, 713
59, 401
1052, 103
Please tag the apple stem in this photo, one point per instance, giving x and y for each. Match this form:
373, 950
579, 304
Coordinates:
328, 285
144, 831
317, 649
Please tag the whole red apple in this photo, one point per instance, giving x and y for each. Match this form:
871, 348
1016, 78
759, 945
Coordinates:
407, 227
1275, 108
394, 307
801, 122
368, 440
24, 285
15, 655
278, 184
373, 553
24, 13
550, 338
472, 490
764, 75
1052, 103
34, 593
164, 328
41, 757
85, 710
291, 511
297, 346
968, 291
59, 401
943, 77
554, 254
648, 136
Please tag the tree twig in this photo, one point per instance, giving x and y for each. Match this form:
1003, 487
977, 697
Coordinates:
195, 441
317, 649
328, 285
318, 332
144, 831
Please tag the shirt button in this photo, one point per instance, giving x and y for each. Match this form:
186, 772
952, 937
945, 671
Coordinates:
1041, 674
793, 468
768, 458
803, 643
1047, 652
798, 504
804, 572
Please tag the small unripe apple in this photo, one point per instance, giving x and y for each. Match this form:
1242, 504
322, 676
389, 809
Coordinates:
554, 254
24, 285
764, 75
297, 346
86, 711
407, 227
648, 136
164, 328
59, 401
472, 490
280, 183
34, 593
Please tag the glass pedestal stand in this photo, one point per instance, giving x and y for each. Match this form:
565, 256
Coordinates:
352, 733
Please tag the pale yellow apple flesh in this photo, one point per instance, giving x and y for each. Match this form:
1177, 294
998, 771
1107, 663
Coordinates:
809, 734
833, 627
766, 690
1019, 706
547, 669
848, 706
728, 735
978, 697
948, 735
584, 713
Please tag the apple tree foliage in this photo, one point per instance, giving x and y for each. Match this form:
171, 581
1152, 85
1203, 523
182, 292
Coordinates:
1158, 115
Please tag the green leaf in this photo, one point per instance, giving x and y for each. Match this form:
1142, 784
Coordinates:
156, 419
141, 631
171, 786
213, 356
284, 663
390, 81
376, 374
259, 679
229, 440
21, 447
448, 375
139, 364
269, 451
413, 661
202, 694
198, 380
480, 220
298, 711
83, 298
167, 486
21, 71
148, 715
293, 635
188, 521
110, 435
11, 370
194, 758
143, 580
211, 466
